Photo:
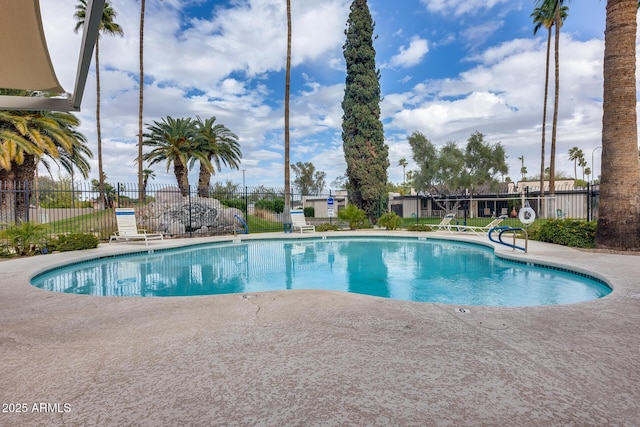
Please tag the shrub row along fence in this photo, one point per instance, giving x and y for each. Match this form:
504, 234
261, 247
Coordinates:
78, 208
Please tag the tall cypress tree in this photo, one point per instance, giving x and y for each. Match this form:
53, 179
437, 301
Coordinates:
365, 152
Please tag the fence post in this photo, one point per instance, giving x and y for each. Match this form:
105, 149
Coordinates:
331, 218
26, 199
190, 207
589, 201
246, 205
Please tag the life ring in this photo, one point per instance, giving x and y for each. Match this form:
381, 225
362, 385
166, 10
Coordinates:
527, 216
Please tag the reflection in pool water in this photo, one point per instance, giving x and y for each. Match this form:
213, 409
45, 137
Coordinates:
406, 269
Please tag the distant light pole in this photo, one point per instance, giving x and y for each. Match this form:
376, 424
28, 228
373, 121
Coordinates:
593, 165
244, 190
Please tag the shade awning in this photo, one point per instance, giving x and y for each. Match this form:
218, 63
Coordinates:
25, 62
24, 57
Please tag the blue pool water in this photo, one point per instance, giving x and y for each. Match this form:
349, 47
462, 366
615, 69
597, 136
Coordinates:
406, 269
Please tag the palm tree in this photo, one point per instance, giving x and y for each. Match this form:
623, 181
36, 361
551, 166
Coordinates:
287, 92
172, 141
523, 170
147, 174
560, 13
619, 212
219, 145
582, 162
575, 154
543, 16
27, 136
141, 104
109, 27
403, 162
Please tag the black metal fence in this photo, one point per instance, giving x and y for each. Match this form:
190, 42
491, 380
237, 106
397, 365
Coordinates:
77, 207
579, 204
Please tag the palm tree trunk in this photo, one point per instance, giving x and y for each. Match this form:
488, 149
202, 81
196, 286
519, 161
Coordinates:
140, 106
99, 133
204, 178
287, 92
8, 195
182, 177
541, 211
554, 130
145, 181
25, 175
619, 211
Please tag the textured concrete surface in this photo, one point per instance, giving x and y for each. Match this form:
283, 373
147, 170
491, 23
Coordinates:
318, 358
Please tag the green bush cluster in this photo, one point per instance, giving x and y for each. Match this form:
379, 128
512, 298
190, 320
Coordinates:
26, 238
419, 227
390, 220
327, 227
577, 234
309, 212
354, 216
74, 242
234, 203
274, 205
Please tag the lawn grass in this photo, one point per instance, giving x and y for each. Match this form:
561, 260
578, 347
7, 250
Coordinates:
99, 222
472, 222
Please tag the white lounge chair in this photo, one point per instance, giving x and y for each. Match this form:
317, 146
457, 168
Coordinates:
445, 224
128, 230
298, 221
481, 230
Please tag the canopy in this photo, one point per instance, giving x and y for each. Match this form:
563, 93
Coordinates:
25, 62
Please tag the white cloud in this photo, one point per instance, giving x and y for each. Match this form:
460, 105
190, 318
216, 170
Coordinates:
411, 55
502, 97
460, 7
478, 35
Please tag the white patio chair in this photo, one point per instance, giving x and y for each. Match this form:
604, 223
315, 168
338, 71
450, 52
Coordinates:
299, 222
128, 230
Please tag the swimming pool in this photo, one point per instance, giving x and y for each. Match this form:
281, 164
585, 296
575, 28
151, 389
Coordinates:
400, 268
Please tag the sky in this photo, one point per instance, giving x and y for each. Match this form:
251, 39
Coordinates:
448, 68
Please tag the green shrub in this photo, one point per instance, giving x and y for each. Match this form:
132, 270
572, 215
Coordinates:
390, 220
274, 205
419, 227
234, 203
353, 215
26, 238
577, 234
74, 242
309, 212
327, 227
5, 252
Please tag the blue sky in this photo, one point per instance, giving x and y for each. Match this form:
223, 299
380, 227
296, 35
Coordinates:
448, 68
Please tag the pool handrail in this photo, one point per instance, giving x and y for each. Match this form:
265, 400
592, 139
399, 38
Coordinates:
505, 228
244, 224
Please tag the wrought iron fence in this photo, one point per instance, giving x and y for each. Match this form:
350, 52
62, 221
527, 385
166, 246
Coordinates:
77, 207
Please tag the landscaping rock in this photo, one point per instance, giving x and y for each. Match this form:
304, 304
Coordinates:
174, 214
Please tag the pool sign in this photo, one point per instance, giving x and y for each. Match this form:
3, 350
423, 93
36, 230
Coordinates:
330, 211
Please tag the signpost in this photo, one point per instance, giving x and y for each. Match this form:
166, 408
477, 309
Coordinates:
331, 213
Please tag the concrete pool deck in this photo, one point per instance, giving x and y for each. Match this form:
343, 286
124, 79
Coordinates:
309, 358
